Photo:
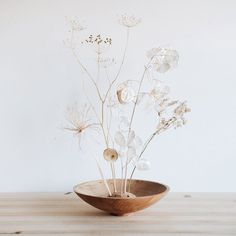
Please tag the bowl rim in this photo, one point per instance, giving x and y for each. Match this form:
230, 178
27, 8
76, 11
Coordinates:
119, 198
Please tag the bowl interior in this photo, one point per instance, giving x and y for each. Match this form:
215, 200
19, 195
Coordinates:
140, 188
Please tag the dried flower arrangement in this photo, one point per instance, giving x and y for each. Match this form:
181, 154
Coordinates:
124, 143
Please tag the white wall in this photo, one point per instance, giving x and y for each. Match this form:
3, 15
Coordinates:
39, 78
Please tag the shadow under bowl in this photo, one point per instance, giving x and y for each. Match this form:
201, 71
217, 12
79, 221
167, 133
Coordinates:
146, 192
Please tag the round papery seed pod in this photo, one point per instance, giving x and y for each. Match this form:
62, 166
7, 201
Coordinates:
143, 165
125, 95
110, 154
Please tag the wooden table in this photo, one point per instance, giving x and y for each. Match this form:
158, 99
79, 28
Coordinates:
59, 214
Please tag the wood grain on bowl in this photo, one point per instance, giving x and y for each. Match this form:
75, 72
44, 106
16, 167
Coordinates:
146, 192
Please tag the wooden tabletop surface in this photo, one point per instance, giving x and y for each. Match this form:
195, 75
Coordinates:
60, 214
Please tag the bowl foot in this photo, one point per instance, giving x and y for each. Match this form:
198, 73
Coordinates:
120, 214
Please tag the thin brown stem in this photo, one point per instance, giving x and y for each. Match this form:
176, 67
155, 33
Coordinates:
98, 118
88, 74
121, 65
158, 131
132, 117
114, 176
102, 175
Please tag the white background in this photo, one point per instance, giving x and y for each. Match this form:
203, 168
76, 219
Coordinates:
39, 78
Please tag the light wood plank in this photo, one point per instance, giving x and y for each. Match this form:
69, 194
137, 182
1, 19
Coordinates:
59, 214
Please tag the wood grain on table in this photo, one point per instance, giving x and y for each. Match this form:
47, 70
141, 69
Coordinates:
60, 214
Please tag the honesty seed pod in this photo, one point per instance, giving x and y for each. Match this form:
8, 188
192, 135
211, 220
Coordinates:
110, 154
125, 95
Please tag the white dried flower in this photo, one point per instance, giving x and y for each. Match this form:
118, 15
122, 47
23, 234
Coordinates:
175, 118
163, 59
129, 20
181, 110
157, 97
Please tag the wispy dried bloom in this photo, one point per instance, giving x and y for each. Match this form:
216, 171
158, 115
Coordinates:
129, 20
163, 59
99, 44
79, 122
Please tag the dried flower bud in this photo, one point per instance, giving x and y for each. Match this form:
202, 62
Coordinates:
110, 154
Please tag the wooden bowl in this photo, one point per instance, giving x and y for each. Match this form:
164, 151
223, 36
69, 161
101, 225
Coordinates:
146, 192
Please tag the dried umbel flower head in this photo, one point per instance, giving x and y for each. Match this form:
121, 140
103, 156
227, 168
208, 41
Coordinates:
75, 28
110, 154
74, 24
163, 59
129, 20
99, 44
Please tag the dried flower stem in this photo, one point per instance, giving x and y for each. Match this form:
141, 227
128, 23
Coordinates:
96, 114
136, 100
131, 120
158, 131
88, 74
98, 66
113, 176
107, 93
121, 65
109, 126
104, 180
97, 89
122, 174
102, 121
